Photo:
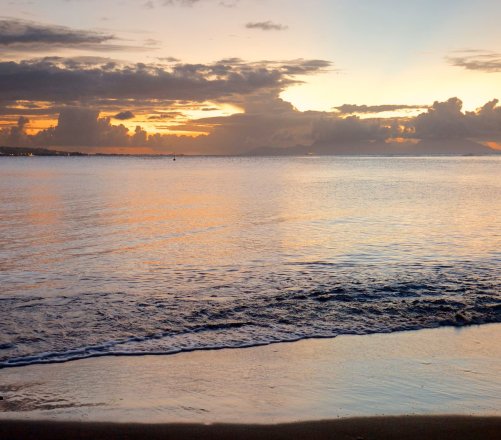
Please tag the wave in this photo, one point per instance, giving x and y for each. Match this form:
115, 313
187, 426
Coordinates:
312, 301
112, 348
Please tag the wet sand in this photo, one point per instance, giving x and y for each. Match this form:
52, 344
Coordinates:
429, 384
380, 428
438, 371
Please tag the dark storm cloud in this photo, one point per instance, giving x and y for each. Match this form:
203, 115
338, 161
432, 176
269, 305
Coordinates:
123, 116
15, 31
266, 26
489, 62
58, 79
347, 109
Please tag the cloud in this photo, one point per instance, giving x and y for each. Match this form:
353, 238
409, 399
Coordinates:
161, 116
266, 26
82, 127
268, 121
228, 3
180, 2
123, 116
224, 3
16, 136
78, 89
22, 122
18, 36
485, 123
77, 126
348, 130
169, 59
347, 109
70, 80
87, 84
443, 129
444, 120
16, 31
301, 66
482, 61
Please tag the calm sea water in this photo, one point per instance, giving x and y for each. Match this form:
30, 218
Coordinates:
106, 255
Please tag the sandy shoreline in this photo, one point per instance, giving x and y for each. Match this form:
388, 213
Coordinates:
374, 428
427, 372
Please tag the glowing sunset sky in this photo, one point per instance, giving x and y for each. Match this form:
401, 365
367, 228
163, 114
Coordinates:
229, 76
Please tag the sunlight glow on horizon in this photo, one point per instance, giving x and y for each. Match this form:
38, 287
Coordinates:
192, 70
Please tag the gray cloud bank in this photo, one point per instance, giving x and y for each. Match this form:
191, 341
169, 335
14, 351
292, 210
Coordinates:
482, 61
272, 126
19, 36
68, 80
76, 90
443, 129
15, 31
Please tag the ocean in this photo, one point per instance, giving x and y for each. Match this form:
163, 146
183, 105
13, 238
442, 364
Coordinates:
139, 255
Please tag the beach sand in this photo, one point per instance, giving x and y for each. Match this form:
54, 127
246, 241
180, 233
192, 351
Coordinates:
382, 428
321, 386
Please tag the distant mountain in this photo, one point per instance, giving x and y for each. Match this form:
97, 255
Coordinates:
424, 147
22, 151
275, 151
17, 151
459, 146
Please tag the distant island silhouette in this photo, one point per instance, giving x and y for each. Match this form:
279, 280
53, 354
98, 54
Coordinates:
26, 152
20, 151
423, 148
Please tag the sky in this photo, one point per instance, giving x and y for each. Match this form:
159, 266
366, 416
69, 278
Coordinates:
233, 76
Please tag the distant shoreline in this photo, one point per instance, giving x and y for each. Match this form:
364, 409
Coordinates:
45, 152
